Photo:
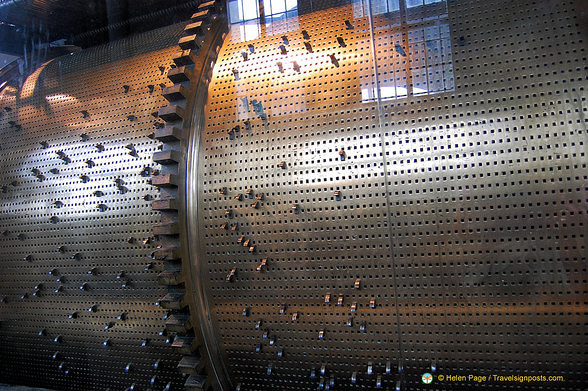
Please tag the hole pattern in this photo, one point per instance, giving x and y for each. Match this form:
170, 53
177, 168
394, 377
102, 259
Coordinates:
85, 247
457, 204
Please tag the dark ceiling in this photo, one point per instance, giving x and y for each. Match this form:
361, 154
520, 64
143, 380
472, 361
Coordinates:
26, 23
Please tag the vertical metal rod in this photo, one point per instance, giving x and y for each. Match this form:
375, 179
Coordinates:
385, 168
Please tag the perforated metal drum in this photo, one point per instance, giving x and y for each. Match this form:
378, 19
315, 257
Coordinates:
343, 195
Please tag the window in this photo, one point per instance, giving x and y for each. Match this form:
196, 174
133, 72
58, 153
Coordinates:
414, 48
279, 17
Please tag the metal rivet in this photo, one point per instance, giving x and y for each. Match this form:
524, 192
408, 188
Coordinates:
262, 265
362, 326
334, 60
231, 275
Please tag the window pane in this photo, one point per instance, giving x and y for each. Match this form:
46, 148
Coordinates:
413, 3
250, 10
